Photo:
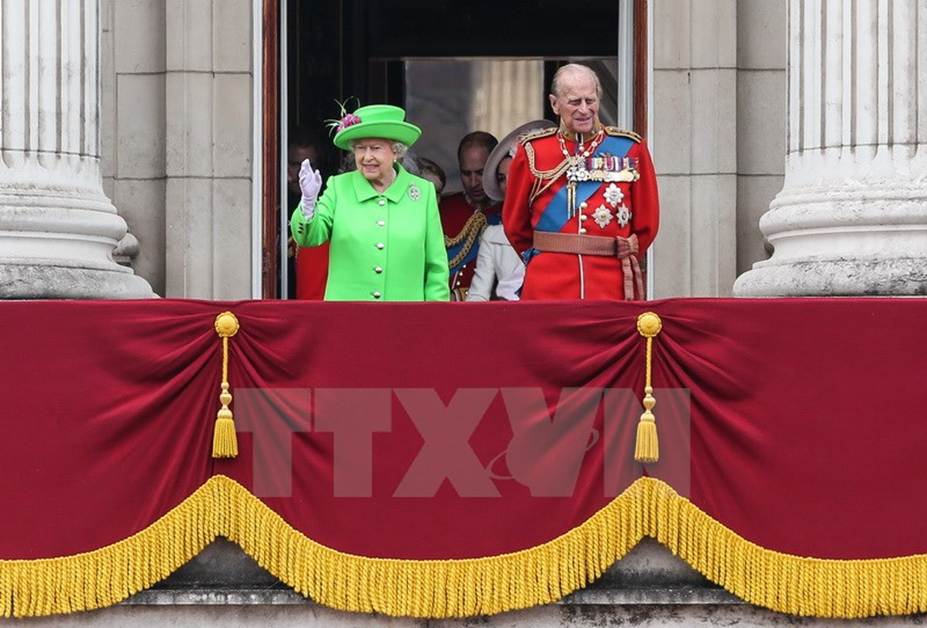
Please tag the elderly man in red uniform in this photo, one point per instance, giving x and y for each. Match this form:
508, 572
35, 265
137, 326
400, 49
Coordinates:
464, 215
581, 204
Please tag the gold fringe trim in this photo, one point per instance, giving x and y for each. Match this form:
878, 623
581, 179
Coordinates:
457, 588
107, 576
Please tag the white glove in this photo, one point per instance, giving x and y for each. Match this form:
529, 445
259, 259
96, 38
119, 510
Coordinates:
310, 182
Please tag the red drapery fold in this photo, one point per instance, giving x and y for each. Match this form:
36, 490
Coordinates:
794, 423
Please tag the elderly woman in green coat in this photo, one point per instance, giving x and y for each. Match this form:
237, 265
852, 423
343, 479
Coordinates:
386, 238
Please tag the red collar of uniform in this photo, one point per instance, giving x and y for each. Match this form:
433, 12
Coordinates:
587, 137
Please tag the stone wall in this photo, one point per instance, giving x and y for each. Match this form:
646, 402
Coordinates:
132, 124
718, 137
694, 143
761, 120
177, 149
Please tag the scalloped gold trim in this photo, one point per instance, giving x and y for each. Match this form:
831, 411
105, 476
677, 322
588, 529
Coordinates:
465, 587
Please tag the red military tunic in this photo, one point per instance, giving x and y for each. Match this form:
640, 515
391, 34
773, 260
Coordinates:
311, 272
601, 208
456, 217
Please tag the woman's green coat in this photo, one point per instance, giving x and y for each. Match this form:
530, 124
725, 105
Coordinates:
384, 247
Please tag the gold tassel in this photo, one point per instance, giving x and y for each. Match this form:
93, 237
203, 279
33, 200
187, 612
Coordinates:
224, 440
647, 446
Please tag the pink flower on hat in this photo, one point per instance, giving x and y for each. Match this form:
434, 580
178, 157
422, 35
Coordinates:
346, 120
349, 119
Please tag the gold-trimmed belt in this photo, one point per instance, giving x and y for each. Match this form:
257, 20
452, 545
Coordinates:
625, 249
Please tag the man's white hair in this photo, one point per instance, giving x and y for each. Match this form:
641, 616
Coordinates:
574, 69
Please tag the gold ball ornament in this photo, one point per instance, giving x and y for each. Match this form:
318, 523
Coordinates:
649, 324
226, 325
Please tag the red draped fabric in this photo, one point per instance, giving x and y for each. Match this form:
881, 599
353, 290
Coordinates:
797, 424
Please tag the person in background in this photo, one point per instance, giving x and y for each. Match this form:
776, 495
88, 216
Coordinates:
499, 270
307, 267
382, 221
465, 214
581, 202
434, 173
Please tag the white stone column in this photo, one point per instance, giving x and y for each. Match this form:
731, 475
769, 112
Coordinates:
57, 228
851, 218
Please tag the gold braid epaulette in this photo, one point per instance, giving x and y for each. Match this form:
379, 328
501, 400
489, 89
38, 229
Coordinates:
471, 230
616, 132
543, 179
533, 135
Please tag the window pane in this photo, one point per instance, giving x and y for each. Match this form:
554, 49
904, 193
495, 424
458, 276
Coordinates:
448, 98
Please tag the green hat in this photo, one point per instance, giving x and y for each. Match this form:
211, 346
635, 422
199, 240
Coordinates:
384, 121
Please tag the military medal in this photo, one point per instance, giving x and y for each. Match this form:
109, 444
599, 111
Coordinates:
577, 172
623, 170
614, 195
578, 165
602, 216
624, 215
605, 168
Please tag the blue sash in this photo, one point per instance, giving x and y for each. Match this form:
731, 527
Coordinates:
555, 214
491, 219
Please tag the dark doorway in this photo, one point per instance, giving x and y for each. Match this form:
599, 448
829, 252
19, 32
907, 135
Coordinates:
439, 59
357, 48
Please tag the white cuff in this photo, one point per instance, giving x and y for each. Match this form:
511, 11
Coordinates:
308, 208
